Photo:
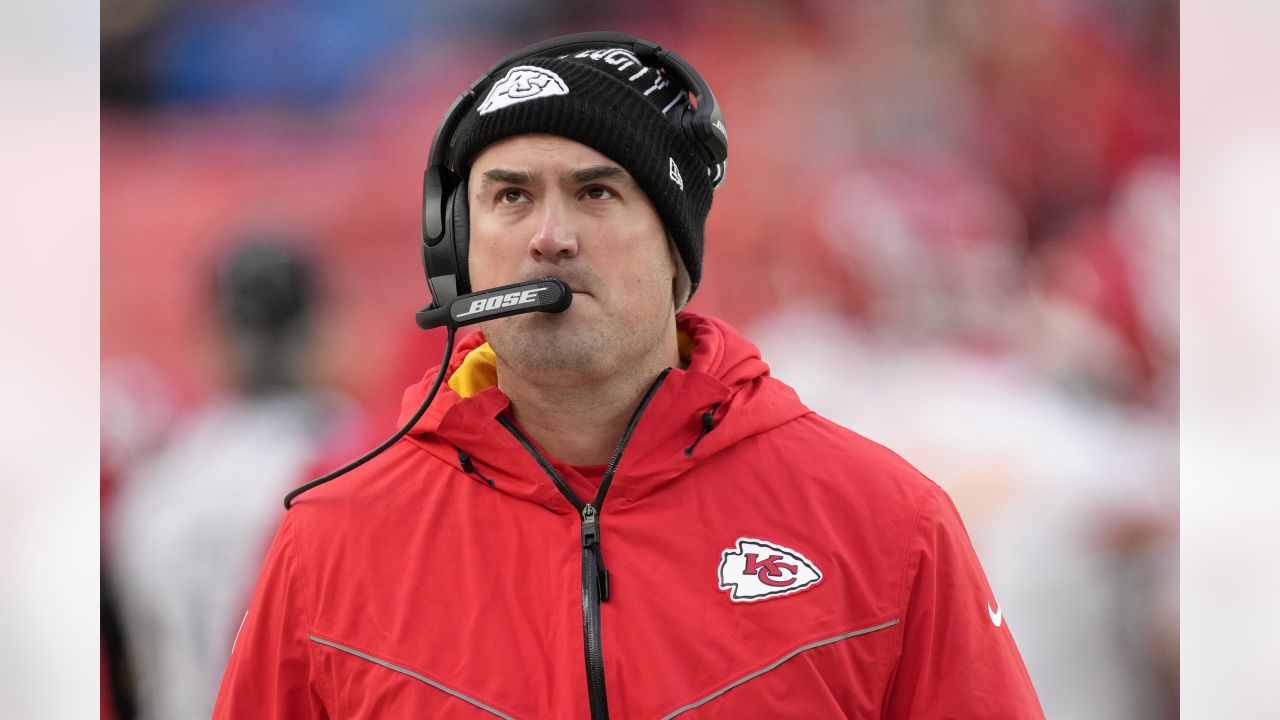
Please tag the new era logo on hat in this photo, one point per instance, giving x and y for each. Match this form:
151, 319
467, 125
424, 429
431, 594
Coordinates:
522, 83
674, 174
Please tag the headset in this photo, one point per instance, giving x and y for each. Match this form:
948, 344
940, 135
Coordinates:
445, 226
445, 214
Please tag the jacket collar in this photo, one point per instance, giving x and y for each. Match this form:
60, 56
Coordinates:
725, 376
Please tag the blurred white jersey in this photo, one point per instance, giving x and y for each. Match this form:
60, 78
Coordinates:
188, 533
1041, 478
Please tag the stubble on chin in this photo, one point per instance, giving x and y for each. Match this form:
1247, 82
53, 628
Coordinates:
547, 346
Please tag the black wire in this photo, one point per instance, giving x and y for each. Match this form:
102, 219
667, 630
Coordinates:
431, 394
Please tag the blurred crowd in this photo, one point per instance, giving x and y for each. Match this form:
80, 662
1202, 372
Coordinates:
952, 227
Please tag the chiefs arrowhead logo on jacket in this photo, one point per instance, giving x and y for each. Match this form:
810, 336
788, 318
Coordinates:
755, 570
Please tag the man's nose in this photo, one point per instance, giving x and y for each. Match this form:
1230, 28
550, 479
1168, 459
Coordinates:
555, 237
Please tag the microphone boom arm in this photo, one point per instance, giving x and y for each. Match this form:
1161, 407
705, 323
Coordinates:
546, 295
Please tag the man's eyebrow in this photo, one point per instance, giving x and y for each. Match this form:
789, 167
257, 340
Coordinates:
598, 172
504, 176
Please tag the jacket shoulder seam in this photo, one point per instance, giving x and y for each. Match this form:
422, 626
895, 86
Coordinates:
917, 521
308, 615
901, 601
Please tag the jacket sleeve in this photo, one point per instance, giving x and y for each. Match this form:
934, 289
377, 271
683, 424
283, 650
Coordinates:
958, 657
270, 674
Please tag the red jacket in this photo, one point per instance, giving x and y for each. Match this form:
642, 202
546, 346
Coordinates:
762, 562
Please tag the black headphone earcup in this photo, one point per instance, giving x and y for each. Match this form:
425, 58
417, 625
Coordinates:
458, 230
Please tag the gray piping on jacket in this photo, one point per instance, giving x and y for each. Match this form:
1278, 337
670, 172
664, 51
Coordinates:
784, 658
412, 674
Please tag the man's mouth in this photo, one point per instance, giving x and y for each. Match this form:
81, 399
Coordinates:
575, 289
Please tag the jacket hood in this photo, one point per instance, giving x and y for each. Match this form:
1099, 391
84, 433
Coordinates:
726, 381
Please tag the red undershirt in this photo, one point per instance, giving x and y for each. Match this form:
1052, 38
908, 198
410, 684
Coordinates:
593, 475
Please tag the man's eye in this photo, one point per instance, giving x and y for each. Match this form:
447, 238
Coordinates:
511, 196
597, 192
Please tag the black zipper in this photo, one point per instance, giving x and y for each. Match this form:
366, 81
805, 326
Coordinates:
547, 467
595, 578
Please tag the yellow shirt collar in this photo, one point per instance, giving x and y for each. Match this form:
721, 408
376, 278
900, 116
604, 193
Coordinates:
479, 369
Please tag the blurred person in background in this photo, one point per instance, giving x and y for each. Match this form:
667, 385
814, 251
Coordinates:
996, 299
763, 561
188, 526
958, 363
138, 411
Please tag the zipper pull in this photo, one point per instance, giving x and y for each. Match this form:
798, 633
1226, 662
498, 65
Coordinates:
591, 542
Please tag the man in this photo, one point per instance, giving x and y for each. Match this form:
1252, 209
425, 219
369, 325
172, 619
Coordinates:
615, 509
189, 526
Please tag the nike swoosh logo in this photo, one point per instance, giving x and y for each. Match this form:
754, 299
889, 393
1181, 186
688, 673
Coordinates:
997, 615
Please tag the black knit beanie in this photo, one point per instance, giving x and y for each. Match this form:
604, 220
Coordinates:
608, 100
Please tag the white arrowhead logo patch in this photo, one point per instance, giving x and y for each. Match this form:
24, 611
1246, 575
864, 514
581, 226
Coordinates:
521, 83
755, 570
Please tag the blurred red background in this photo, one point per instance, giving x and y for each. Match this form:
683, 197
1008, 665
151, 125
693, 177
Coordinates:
994, 180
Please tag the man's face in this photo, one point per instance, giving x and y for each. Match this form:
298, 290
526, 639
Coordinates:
545, 206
